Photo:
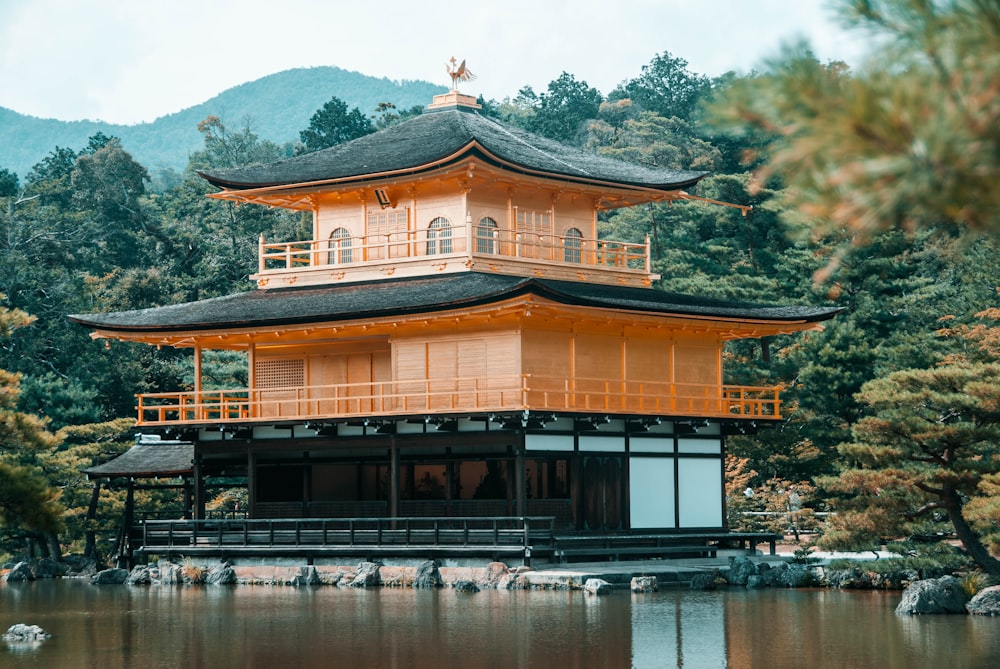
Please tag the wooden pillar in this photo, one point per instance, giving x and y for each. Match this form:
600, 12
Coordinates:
307, 492
188, 498
199, 489
393, 479
124, 552
520, 480
449, 486
251, 484
197, 370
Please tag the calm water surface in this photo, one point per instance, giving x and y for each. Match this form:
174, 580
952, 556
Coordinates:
113, 627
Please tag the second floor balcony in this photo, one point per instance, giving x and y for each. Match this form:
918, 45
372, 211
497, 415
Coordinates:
344, 257
451, 396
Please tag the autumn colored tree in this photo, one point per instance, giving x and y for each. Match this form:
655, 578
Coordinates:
932, 438
29, 506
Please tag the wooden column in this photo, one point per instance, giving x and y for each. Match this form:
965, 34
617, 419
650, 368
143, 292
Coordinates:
251, 484
393, 479
520, 480
199, 489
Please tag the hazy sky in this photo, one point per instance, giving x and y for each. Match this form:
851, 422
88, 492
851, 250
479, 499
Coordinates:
129, 61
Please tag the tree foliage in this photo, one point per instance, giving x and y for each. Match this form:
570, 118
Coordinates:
910, 141
333, 124
666, 87
931, 439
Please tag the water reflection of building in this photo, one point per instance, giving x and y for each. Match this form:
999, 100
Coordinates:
680, 629
455, 340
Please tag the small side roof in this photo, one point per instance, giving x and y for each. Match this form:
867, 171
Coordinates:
440, 137
148, 458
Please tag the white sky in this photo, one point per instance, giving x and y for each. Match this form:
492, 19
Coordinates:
130, 61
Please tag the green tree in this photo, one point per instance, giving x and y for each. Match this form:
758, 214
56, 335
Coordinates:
387, 115
562, 112
666, 87
910, 141
9, 183
932, 437
333, 124
29, 507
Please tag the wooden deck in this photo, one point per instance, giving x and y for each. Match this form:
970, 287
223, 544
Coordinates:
450, 396
495, 538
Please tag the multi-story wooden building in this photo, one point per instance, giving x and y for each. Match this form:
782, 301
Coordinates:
456, 341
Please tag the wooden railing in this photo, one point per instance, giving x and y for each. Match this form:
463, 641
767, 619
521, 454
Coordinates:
461, 241
450, 396
457, 535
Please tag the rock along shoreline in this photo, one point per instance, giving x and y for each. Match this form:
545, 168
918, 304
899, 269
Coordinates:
922, 593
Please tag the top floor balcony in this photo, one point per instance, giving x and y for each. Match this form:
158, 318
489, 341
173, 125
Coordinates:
344, 257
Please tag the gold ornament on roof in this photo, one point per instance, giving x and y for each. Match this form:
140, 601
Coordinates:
458, 72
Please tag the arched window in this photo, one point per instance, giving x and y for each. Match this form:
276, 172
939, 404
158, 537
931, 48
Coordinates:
340, 247
486, 236
439, 236
572, 243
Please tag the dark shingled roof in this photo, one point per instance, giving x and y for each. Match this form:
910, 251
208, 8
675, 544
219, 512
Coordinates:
399, 297
147, 459
449, 134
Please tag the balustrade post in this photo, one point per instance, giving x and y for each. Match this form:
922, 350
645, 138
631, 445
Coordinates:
260, 254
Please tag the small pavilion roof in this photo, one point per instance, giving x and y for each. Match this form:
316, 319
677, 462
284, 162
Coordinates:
417, 295
444, 136
148, 459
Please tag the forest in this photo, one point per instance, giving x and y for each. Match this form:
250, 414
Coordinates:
872, 189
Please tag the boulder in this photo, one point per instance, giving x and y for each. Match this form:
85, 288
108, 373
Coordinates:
109, 577
80, 565
25, 633
596, 586
47, 568
19, 573
464, 585
756, 581
741, 568
224, 574
936, 595
140, 575
495, 572
644, 584
170, 573
703, 581
794, 576
428, 575
986, 602
367, 576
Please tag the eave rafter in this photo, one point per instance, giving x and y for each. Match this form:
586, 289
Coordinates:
521, 308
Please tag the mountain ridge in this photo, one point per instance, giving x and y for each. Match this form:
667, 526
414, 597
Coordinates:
278, 105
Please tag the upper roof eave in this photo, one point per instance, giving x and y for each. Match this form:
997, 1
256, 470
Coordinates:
420, 295
433, 139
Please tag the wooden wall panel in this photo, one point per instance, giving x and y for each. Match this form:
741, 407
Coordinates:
647, 359
697, 362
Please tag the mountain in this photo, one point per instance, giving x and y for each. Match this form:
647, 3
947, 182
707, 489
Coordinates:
279, 106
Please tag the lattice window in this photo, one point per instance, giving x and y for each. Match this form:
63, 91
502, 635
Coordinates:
387, 222
280, 373
486, 235
572, 244
439, 236
340, 247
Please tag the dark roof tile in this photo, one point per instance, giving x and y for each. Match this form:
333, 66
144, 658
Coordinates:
400, 297
449, 134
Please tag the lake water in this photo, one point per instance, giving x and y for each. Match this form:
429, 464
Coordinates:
112, 627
